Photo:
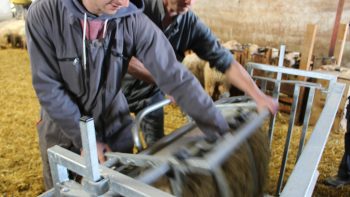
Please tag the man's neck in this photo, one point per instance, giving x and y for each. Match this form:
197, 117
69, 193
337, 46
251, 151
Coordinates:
169, 15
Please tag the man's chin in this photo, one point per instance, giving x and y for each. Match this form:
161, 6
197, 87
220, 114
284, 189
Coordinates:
183, 10
111, 11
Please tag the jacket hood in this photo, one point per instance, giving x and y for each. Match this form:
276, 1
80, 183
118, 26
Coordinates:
78, 10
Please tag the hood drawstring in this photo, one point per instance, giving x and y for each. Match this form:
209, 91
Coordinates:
105, 29
84, 41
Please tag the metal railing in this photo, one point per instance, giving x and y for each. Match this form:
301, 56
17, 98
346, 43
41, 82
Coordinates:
308, 157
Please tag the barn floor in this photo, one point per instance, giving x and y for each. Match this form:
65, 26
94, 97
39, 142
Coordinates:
20, 164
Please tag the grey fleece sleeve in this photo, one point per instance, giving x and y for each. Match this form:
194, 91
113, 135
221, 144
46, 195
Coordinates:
205, 44
154, 50
47, 83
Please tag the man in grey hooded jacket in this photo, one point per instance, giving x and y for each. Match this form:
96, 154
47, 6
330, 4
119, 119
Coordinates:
79, 52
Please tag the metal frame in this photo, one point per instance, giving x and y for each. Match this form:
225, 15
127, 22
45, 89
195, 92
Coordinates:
307, 162
97, 179
107, 181
101, 180
303, 179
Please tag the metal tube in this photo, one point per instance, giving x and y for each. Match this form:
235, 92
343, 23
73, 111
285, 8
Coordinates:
168, 139
68, 159
151, 176
221, 182
292, 71
276, 91
306, 121
127, 186
232, 141
288, 138
300, 83
88, 138
136, 126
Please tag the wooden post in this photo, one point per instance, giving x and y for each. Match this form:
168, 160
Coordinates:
308, 48
340, 42
306, 55
336, 27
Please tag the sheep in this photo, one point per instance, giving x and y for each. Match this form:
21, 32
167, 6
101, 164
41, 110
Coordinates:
216, 84
196, 66
12, 33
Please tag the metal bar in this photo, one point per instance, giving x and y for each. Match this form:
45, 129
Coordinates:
300, 83
60, 159
264, 85
58, 172
302, 181
68, 159
232, 141
127, 186
136, 126
310, 100
249, 104
292, 71
234, 99
111, 162
137, 159
177, 183
276, 91
151, 176
222, 183
168, 139
88, 138
288, 138
49, 193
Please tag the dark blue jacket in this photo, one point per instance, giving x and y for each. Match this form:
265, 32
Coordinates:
186, 32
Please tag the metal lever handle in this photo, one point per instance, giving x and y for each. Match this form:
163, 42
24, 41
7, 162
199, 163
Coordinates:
135, 130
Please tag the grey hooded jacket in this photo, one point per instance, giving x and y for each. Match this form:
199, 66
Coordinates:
68, 89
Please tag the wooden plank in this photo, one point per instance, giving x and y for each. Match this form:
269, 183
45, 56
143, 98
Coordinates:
306, 56
308, 48
336, 27
340, 43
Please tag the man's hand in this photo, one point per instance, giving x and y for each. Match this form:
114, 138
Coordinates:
101, 150
239, 77
170, 98
267, 102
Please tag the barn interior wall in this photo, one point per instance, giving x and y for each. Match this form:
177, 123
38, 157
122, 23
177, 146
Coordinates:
273, 22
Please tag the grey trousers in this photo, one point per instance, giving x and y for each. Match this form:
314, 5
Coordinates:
344, 167
49, 135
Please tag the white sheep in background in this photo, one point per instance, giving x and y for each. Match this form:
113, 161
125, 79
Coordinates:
196, 66
233, 45
292, 59
12, 32
215, 84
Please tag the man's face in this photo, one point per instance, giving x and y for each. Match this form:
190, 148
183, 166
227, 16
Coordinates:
179, 6
110, 7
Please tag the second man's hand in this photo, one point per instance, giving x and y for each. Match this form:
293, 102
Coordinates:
102, 148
